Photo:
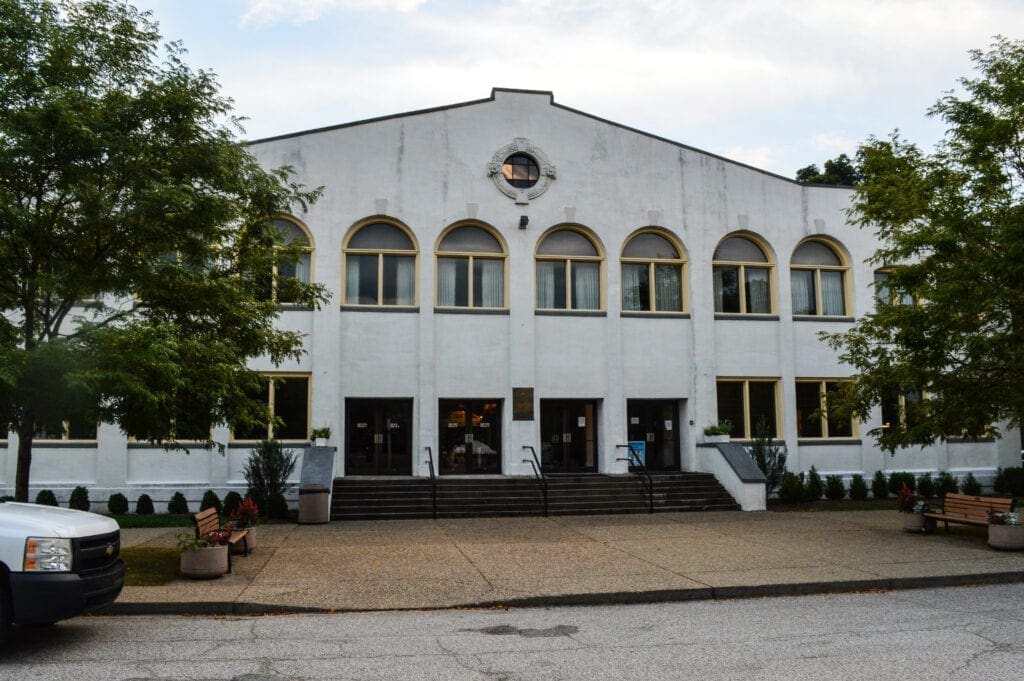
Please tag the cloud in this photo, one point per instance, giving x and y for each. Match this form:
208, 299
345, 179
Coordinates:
267, 12
833, 143
759, 157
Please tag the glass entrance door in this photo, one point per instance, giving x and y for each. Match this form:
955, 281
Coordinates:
655, 423
568, 433
378, 437
470, 432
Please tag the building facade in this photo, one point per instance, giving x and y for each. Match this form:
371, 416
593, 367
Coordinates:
510, 273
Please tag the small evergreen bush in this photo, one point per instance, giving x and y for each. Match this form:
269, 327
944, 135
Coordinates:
879, 486
897, 480
144, 506
231, 501
1010, 481
791, 488
769, 456
267, 472
814, 487
117, 504
211, 500
178, 505
79, 499
46, 498
834, 488
971, 485
946, 484
278, 507
858, 488
926, 486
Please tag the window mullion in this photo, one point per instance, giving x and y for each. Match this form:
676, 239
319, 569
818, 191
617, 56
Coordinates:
380, 278
270, 406
742, 283
746, 410
568, 284
823, 406
653, 286
469, 281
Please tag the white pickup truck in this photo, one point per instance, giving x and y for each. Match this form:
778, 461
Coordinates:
55, 563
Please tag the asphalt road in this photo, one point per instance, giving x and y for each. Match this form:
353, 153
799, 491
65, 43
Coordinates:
955, 633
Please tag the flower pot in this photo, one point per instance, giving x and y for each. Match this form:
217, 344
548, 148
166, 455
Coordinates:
913, 522
1006, 537
319, 442
715, 439
206, 563
250, 537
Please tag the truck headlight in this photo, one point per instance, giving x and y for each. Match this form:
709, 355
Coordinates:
47, 554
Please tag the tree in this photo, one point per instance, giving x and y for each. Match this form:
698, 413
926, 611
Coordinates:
944, 350
135, 238
840, 170
769, 457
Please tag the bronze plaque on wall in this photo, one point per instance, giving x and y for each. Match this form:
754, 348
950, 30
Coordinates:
522, 404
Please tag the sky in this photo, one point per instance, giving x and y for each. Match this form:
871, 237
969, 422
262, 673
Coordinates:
777, 84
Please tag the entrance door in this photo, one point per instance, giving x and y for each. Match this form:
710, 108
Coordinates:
656, 424
568, 433
470, 433
378, 438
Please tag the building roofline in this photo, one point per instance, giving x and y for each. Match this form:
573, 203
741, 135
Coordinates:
551, 99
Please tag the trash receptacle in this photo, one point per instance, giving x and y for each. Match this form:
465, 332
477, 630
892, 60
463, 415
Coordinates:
314, 504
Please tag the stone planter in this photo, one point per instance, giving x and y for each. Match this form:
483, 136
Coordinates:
716, 439
206, 563
913, 522
1006, 537
250, 536
320, 442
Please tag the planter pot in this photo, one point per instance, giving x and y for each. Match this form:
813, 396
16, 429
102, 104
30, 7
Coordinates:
320, 442
1006, 537
250, 537
716, 439
206, 563
913, 522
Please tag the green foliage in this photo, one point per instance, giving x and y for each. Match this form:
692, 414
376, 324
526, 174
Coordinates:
720, 428
79, 499
117, 504
1010, 481
879, 486
769, 457
144, 506
946, 484
278, 506
813, 488
791, 488
953, 241
321, 432
858, 488
834, 488
971, 485
840, 170
178, 504
122, 178
926, 486
231, 501
898, 479
266, 473
211, 500
46, 498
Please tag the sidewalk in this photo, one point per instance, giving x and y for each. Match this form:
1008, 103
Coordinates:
481, 562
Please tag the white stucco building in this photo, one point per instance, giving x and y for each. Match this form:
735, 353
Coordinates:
511, 272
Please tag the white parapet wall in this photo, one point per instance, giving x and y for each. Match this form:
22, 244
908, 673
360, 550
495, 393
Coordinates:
739, 476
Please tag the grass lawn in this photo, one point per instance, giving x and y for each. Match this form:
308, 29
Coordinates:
149, 565
152, 520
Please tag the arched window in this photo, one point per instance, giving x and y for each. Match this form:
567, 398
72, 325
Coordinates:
818, 278
742, 277
470, 269
652, 274
568, 272
300, 269
380, 266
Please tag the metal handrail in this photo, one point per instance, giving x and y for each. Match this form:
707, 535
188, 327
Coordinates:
539, 472
641, 471
433, 481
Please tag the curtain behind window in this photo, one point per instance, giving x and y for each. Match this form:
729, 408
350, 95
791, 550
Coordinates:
669, 288
491, 289
586, 287
631, 299
758, 292
802, 283
446, 281
832, 299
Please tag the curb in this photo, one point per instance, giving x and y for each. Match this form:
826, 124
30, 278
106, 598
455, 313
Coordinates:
590, 599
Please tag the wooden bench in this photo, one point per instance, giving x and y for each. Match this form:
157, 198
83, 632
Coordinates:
209, 520
969, 510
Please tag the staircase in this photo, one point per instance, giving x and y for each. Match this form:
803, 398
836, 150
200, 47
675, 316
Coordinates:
394, 497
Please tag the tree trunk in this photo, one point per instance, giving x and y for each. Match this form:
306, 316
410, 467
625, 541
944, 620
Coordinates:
26, 431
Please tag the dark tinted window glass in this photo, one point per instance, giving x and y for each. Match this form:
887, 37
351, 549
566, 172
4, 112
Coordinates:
808, 402
291, 405
470, 240
762, 405
730, 406
381, 236
650, 246
739, 249
727, 289
837, 426
567, 242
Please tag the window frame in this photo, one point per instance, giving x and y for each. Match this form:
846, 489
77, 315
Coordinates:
65, 435
843, 268
748, 427
272, 376
741, 266
470, 256
652, 263
309, 248
823, 408
380, 253
569, 260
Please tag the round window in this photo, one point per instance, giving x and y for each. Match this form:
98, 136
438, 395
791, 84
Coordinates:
520, 171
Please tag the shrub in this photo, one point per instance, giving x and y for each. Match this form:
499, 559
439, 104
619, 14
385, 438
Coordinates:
897, 480
814, 489
144, 506
46, 498
117, 504
791, 488
879, 486
231, 502
211, 500
834, 488
769, 457
178, 504
79, 499
926, 486
858, 488
278, 506
946, 484
971, 485
246, 514
1010, 481
267, 472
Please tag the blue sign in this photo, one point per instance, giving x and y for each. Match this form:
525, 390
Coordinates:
639, 449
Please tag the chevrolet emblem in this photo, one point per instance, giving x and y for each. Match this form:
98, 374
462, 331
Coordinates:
110, 549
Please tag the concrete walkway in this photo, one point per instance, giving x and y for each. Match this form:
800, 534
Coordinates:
479, 562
